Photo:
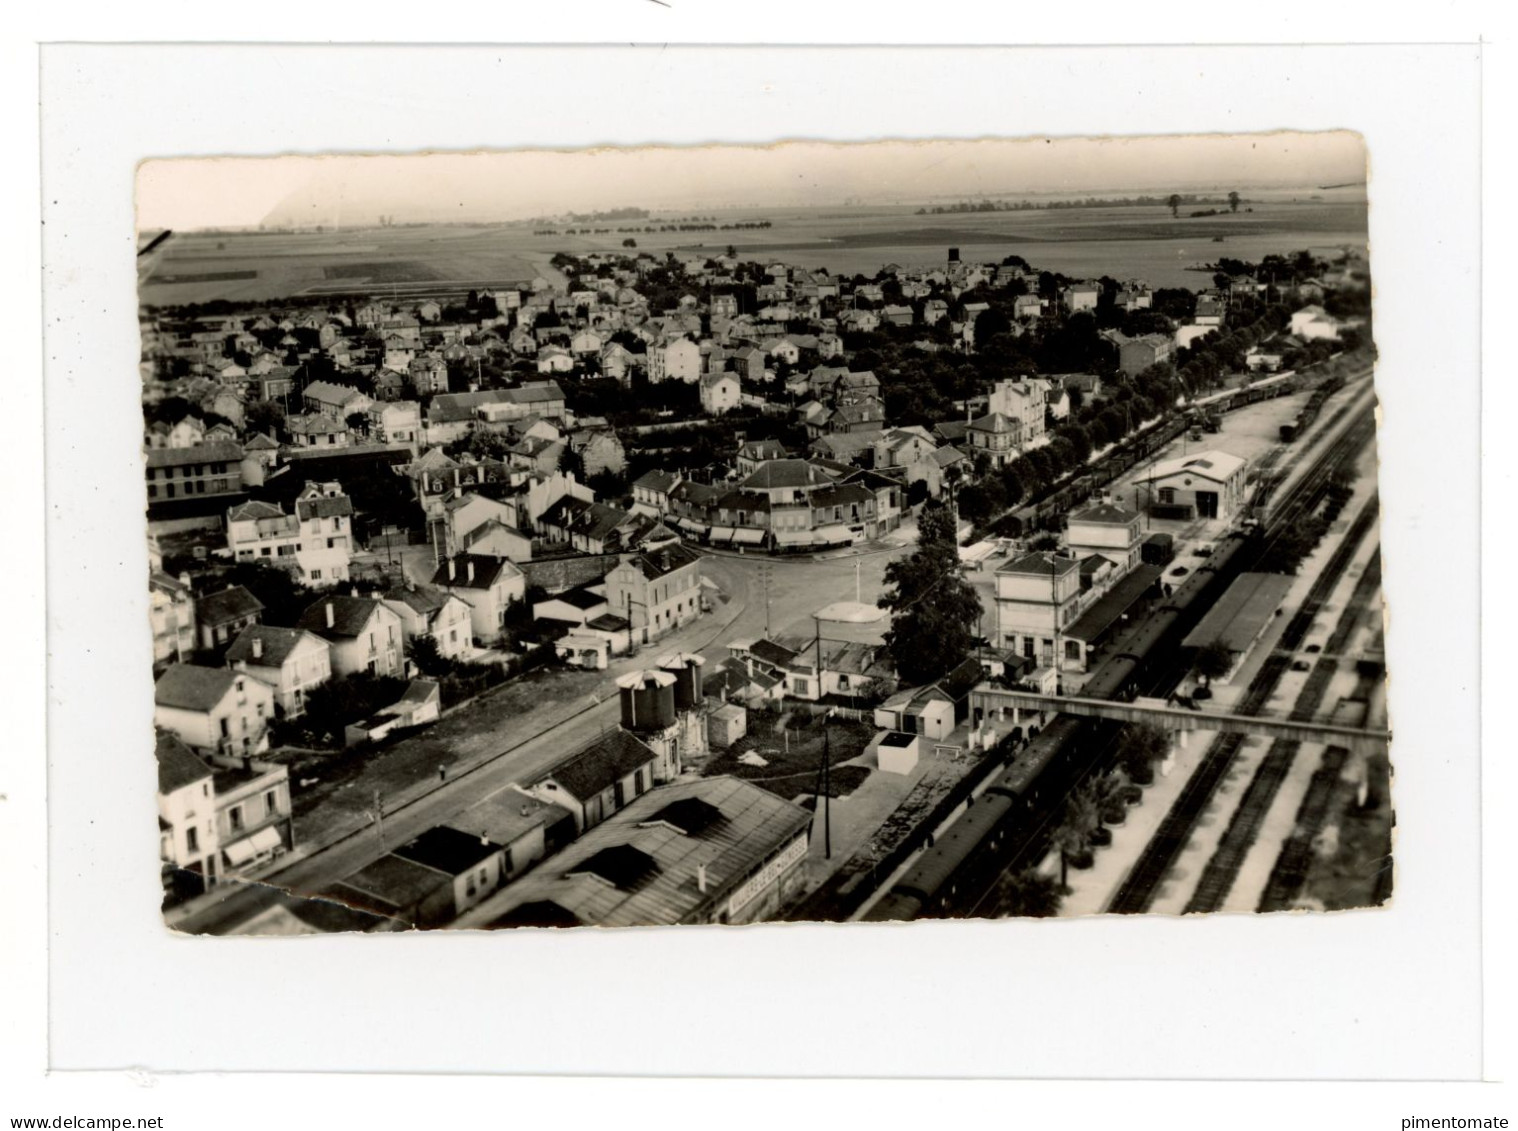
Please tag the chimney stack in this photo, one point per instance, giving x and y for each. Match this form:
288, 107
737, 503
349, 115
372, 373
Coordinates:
453, 569
701, 878
258, 648
331, 615
471, 571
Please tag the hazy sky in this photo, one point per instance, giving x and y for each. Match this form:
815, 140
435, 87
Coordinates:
235, 191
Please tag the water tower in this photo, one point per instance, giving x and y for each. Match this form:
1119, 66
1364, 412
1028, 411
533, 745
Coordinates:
690, 702
648, 711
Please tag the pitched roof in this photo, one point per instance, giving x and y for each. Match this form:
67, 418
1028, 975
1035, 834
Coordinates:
782, 473
192, 687
447, 850
328, 392
324, 506
487, 570
666, 559
1040, 563
598, 766
254, 509
657, 480
1217, 466
276, 644
994, 422
349, 616
1109, 513
218, 451
178, 765
231, 603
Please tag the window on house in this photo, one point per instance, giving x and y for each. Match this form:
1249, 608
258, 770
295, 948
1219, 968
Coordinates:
271, 803
152, 491
192, 839
169, 491
234, 818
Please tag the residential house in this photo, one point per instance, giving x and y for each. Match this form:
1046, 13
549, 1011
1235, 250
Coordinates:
222, 615
315, 543
187, 843
600, 451
651, 492
396, 422
552, 359
1080, 296
214, 710
618, 362
336, 402
657, 590
1025, 402
171, 611
314, 430
425, 611
754, 452
1137, 354
260, 455
365, 635
677, 360
292, 661
719, 392
488, 585
997, 437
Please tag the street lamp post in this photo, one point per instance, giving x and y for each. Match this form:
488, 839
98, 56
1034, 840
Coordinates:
840, 612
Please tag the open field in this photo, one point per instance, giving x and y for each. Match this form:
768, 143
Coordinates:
1128, 241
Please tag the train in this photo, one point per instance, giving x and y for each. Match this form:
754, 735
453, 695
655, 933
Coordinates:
1310, 410
952, 873
942, 881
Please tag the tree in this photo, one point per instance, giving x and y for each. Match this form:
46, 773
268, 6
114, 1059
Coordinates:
264, 416
1233, 202
427, 658
1028, 894
1072, 838
1213, 661
1175, 205
1139, 746
934, 611
629, 242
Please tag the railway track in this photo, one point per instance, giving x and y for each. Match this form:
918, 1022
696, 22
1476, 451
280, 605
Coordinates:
1222, 869
1290, 873
1139, 888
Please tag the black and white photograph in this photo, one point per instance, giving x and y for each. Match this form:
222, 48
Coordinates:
833, 533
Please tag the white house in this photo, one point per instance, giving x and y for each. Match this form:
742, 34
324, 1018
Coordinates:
365, 636
488, 585
678, 360
315, 543
719, 392
425, 611
214, 710
290, 660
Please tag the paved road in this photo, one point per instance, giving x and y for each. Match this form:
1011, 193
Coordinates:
795, 589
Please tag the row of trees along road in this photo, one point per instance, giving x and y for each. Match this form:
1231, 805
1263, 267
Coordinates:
934, 611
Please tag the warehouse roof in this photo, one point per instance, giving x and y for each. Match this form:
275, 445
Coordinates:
659, 870
1241, 614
